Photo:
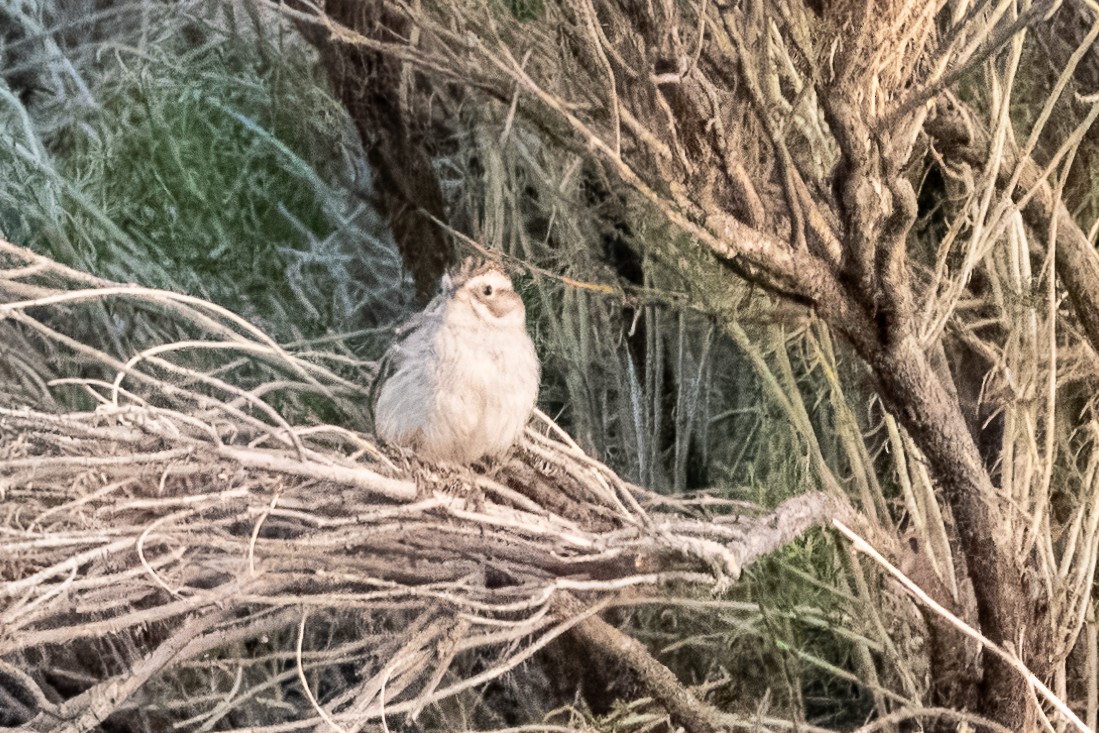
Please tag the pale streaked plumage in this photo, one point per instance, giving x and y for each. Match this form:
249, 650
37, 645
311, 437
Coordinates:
465, 374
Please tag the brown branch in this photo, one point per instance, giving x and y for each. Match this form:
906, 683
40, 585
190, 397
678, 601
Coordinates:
373, 87
686, 710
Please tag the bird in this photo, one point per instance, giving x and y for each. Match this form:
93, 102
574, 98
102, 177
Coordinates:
461, 382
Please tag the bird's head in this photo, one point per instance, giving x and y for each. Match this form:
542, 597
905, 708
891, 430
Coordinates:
492, 298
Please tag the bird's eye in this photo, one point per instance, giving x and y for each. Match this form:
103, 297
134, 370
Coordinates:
487, 290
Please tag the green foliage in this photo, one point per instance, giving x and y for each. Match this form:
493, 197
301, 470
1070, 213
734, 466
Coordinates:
524, 10
210, 159
189, 180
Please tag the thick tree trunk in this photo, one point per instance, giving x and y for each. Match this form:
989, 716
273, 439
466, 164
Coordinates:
1008, 608
877, 206
369, 85
1010, 611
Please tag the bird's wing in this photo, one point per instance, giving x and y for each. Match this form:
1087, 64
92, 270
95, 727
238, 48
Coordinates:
413, 341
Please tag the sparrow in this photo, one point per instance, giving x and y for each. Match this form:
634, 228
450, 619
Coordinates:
462, 379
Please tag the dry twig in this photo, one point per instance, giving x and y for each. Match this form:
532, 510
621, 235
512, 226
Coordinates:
183, 523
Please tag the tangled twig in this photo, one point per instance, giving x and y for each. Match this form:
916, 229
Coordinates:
182, 546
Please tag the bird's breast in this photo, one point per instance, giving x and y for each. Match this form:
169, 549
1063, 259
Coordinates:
488, 381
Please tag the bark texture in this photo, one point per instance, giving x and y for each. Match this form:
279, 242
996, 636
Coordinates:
376, 89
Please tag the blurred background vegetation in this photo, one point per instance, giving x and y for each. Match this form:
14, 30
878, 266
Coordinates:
203, 147
190, 147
